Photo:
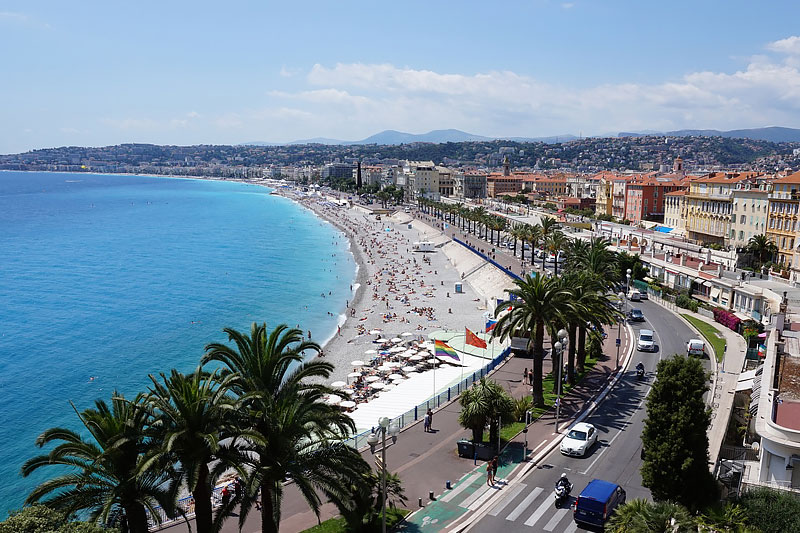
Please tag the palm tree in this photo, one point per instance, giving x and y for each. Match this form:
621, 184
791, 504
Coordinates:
486, 401
601, 261
555, 242
575, 252
631, 517
105, 477
534, 236
478, 214
535, 302
294, 433
192, 415
549, 225
762, 247
361, 508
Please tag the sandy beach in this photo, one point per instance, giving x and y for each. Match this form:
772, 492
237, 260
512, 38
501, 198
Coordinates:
406, 299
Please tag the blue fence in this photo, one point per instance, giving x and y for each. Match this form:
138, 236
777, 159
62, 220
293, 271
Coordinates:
486, 258
414, 414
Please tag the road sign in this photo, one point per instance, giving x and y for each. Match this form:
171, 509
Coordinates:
619, 341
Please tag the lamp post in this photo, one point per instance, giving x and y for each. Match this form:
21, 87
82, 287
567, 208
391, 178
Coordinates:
628, 285
384, 426
559, 348
622, 303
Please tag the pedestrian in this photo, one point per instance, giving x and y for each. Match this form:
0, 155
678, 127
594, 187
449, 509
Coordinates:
489, 480
530, 377
426, 423
494, 469
525, 376
429, 414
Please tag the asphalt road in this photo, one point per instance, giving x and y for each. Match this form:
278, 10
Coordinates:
529, 505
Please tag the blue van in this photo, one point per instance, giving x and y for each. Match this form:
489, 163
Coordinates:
597, 502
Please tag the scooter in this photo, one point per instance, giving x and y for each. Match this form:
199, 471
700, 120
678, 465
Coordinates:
561, 492
640, 373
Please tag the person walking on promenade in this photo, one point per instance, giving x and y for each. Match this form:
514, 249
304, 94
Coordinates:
494, 469
429, 414
489, 478
525, 376
426, 422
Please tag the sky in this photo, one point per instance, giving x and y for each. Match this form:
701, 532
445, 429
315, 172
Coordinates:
93, 73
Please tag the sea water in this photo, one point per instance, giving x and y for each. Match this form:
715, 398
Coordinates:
106, 279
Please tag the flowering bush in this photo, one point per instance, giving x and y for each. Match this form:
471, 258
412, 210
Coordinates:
727, 319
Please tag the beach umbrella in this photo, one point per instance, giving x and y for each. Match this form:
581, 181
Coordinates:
407, 354
382, 340
348, 404
338, 384
388, 386
349, 392
396, 377
357, 363
354, 375
397, 349
372, 379
397, 339
409, 369
370, 352
415, 358
407, 334
432, 361
378, 385
333, 400
394, 364
385, 368
423, 353
374, 332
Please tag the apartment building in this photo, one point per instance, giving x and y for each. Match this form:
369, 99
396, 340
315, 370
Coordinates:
709, 206
750, 206
423, 178
550, 186
604, 193
645, 198
782, 227
618, 193
675, 211
470, 184
446, 185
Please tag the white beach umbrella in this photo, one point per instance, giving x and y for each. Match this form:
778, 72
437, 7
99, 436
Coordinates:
354, 375
348, 404
371, 351
397, 339
382, 340
415, 358
338, 384
385, 368
333, 400
349, 392
396, 377
394, 364
407, 354
372, 379
388, 386
407, 334
378, 385
396, 349
357, 363
409, 369
423, 353
432, 361
375, 332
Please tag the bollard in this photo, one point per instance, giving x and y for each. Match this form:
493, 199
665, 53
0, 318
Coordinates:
448, 394
420, 502
415, 412
447, 485
430, 495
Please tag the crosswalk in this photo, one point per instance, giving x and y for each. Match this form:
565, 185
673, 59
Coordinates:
530, 506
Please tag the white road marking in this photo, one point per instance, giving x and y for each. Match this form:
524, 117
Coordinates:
510, 495
524, 505
556, 519
573, 527
458, 490
539, 512
627, 423
477, 494
483, 499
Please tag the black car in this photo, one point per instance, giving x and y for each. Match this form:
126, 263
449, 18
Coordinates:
636, 315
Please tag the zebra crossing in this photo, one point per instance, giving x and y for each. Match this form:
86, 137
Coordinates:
529, 506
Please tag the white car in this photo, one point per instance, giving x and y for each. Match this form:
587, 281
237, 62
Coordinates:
635, 296
696, 347
646, 342
579, 439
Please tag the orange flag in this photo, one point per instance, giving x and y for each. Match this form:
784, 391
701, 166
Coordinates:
474, 340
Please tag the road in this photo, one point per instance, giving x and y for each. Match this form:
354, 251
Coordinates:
529, 504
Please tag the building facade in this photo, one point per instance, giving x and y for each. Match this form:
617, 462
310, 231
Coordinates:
675, 211
709, 207
750, 212
782, 227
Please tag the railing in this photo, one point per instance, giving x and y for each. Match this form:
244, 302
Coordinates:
185, 506
487, 258
412, 415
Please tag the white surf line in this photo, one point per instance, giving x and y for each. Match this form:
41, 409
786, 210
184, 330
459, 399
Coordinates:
524, 505
508, 497
537, 514
556, 519
627, 423
458, 490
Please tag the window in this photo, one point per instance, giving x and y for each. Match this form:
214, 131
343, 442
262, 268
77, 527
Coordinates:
741, 235
742, 219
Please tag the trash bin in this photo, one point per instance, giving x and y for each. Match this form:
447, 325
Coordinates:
459, 288
466, 448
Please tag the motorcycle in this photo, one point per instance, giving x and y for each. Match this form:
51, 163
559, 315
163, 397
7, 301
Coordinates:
561, 492
640, 373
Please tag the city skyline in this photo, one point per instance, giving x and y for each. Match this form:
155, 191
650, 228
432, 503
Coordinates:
94, 74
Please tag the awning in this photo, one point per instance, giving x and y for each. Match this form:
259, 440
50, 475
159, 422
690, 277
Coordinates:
706, 284
715, 292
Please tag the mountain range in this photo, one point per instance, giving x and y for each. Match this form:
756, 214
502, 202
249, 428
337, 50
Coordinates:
392, 137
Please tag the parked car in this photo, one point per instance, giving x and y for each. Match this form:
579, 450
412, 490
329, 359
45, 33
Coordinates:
646, 342
635, 296
636, 315
597, 502
579, 440
696, 347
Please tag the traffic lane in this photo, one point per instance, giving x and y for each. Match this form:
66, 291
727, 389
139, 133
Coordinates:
670, 332
615, 458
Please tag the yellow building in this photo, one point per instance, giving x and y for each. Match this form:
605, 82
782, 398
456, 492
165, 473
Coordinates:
605, 189
709, 206
784, 202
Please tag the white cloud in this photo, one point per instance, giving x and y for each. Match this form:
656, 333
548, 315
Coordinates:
790, 45
567, 5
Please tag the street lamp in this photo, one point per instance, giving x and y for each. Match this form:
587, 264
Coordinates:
622, 303
384, 426
559, 348
628, 285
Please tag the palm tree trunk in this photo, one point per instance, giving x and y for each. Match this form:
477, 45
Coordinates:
268, 524
204, 512
135, 520
521, 250
581, 360
538, 356
571, 355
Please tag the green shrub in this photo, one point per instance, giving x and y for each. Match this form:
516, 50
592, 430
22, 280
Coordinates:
686, 302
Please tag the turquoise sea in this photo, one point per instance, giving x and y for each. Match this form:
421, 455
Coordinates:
106, 279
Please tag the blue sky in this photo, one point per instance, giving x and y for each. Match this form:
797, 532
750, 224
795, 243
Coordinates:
172, 72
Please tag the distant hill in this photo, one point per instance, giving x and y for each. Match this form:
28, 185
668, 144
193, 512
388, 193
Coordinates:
771, 134
393, 137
